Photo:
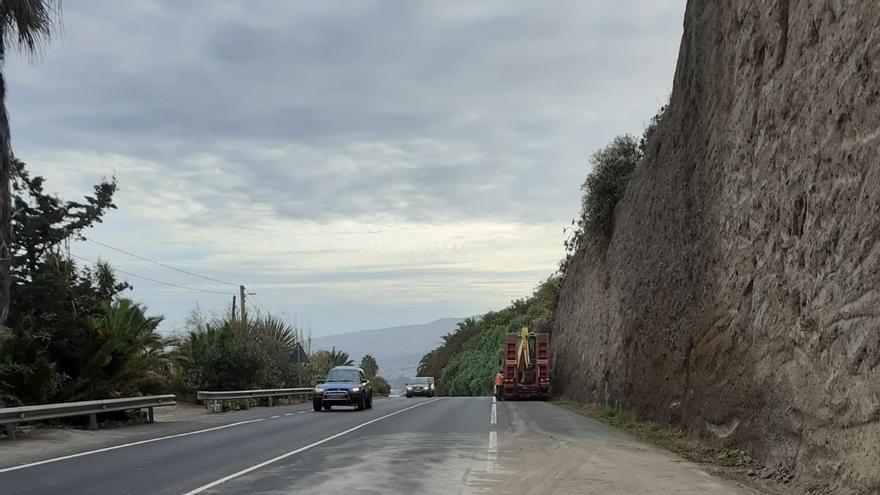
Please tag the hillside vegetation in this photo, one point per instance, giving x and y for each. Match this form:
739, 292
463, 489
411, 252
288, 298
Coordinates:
469, 357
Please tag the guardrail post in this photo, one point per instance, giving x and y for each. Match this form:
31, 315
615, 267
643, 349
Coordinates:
270, 402
93, 421
149, 415
10, 430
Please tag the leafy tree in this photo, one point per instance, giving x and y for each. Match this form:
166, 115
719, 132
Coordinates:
370, 366
25, 23
47, 342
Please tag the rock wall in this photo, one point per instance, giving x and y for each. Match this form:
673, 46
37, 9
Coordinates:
740, 295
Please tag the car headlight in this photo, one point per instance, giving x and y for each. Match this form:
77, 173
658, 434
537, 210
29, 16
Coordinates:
319, 390
356, 389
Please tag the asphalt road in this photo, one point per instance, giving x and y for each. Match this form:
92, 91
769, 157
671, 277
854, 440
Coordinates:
444, 445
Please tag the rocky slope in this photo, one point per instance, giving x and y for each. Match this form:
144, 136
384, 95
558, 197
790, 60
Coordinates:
740, 295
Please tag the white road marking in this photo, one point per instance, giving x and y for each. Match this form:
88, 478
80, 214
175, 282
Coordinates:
302, 412
494, 400
493, 416
116, 447
492, 457
302, 449
274, 417
290, 414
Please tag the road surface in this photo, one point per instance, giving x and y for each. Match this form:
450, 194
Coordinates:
442, 445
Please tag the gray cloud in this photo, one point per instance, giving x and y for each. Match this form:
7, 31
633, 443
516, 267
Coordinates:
403, 111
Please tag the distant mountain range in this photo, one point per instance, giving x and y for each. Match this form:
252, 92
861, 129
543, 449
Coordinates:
396, 349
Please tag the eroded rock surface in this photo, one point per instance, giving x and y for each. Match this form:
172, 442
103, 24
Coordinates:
740, 295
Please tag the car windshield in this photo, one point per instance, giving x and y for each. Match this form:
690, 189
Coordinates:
421, 381
342, 376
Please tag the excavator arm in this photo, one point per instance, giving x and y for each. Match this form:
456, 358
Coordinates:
523, 359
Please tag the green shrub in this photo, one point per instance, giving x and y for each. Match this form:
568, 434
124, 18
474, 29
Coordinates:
380, 385
227, 354
604, 187
606, 184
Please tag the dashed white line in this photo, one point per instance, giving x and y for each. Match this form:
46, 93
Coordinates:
302, 412
493, 417
303, 449
289, 414
274, 417
492, 457
116, 447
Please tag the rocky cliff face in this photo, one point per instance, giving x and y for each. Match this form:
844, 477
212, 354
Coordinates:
740, 295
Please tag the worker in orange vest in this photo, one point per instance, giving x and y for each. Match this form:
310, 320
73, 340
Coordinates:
499, 383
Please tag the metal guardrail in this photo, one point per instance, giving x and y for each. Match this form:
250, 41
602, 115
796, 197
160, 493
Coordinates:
11, 416
270, 393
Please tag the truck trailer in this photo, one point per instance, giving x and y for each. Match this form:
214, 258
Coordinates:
526, 365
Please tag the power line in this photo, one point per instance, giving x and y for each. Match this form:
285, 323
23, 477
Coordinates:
154, 280
160, 263
254, 299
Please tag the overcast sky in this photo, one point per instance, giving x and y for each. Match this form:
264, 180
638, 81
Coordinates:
366, 163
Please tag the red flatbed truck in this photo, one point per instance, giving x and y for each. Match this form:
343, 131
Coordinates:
526, 365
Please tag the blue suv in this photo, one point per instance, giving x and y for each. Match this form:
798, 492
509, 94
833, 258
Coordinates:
343, 386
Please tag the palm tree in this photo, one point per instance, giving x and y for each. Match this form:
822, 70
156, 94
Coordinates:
339, 358
129, 354
26, 23
370, 366
280, 333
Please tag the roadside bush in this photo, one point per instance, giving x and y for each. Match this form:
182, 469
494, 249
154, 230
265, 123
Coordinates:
380, 385
228, 354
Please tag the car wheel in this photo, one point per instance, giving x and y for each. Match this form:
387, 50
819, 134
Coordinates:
327, 407
370, 402
362, 403
316, 405
409, 396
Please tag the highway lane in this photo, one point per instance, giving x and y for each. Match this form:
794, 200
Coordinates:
444, 445
439, 448
179, 464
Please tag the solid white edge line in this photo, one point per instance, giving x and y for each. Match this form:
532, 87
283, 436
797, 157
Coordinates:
116, 447
301, 449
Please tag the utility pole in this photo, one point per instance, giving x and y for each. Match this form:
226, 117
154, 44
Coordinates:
243, 311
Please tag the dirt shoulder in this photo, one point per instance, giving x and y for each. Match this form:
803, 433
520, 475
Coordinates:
733, 464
